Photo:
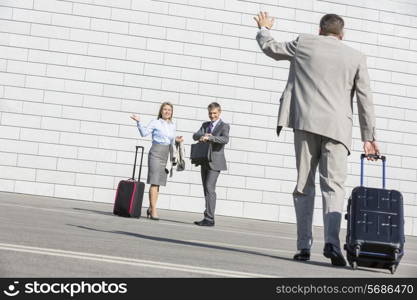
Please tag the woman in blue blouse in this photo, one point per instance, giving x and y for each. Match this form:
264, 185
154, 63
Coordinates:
163, 137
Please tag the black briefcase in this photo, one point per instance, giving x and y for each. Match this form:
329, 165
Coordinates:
375, 229
200, 153
129, 195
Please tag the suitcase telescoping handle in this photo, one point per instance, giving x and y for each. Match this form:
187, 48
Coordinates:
141, 161
381, 157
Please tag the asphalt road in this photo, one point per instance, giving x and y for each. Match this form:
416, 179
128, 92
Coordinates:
49, 237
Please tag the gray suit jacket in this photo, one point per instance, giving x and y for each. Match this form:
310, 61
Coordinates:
219, 138
324, 75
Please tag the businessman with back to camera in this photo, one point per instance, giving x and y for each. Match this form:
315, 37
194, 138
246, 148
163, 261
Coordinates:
317, 103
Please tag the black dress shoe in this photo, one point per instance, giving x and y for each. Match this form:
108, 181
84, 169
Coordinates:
335, 255
204, 223
302, 255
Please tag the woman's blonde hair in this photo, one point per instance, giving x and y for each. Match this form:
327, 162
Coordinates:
162, 107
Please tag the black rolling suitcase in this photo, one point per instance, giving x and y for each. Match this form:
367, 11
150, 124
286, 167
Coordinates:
129, 195
375, 228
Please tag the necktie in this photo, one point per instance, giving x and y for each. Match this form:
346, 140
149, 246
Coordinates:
210, 128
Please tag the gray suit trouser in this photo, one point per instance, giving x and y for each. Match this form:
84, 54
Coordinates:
314, 150
209, 178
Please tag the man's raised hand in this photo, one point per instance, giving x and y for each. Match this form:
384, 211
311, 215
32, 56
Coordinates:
263, 20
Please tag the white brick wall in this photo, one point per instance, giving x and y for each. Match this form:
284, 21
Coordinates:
72, 71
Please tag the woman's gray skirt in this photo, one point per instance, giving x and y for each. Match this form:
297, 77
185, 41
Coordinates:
157, 161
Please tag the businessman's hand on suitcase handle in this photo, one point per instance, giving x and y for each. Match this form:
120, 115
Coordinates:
371, 150
375, 156
263, 20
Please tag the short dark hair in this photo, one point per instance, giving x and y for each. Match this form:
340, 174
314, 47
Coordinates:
214, 105
331, 24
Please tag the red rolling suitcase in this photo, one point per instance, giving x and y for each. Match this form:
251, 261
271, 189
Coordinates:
129, 195
375, 229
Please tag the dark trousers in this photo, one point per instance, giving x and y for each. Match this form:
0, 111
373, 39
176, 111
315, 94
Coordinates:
209, 178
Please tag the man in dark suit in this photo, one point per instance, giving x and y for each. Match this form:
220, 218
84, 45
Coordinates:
215, 132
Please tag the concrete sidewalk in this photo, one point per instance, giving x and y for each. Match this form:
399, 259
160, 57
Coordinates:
49, 237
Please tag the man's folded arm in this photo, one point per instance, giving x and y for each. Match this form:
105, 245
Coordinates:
198, 134
221, 139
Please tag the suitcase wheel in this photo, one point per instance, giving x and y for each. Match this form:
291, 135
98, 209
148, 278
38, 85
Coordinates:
396, 253
357, 250
393, 268
354, 265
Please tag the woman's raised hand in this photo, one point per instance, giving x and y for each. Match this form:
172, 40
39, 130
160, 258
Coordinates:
135, 118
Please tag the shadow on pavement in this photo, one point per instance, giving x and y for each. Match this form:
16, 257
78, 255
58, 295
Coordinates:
107, 213
173, 221
196, 244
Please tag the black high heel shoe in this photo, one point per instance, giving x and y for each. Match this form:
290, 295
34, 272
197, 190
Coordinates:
149, 216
